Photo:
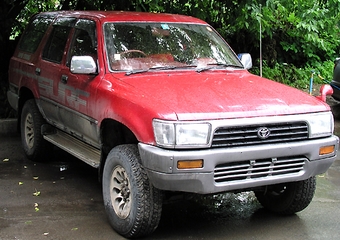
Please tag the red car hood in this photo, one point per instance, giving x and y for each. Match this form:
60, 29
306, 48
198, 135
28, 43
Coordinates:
218, 94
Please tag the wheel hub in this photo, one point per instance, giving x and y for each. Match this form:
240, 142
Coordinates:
125, 190
29, 131
120, 192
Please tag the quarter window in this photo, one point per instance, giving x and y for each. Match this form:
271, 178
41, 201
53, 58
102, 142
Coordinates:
34, 33
55, 46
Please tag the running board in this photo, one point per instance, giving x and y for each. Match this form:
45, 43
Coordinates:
75, 147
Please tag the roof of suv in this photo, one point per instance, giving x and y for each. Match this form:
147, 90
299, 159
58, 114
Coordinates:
126, 16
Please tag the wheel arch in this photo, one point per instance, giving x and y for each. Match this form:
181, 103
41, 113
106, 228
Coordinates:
112, 134
24, 95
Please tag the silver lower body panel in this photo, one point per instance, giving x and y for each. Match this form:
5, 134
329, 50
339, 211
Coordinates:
237, 168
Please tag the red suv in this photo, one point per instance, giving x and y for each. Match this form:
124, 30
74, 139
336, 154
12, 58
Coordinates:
160, 103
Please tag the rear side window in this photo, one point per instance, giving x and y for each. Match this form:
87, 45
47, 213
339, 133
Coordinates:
34, 33
55, 46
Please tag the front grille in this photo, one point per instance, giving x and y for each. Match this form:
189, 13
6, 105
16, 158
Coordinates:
260, 168
248, 135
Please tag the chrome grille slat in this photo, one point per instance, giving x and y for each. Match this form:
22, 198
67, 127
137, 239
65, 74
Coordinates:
258, 168
256, 142
287, 134
257, 175
273, 168
247, 135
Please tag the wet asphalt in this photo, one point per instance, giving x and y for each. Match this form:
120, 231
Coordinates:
61, 198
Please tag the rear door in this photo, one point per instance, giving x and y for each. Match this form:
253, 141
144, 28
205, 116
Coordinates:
49, 70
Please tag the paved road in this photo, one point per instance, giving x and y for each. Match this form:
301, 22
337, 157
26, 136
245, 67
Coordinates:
69, 206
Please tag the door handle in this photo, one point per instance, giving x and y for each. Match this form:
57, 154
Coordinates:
64, 78
37, 71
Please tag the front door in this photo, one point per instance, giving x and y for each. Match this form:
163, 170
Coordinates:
80, 89
65, 96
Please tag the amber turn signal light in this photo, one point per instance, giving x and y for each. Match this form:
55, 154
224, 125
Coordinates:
326, 150
188, 164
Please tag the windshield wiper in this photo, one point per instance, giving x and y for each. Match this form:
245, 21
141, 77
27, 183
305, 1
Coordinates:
186, 66
172, 67
217, 65
136, 71
163, 67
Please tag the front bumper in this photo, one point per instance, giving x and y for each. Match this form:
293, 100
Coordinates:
253, 166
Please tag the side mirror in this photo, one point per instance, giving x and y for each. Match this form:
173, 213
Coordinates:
246, 60
325, 90
83, 65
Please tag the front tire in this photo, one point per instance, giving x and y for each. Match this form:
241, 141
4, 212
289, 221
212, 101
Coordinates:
287, 198
35, 146
132, 204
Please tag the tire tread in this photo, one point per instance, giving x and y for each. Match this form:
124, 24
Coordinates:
149, 198
297, 197
41, 147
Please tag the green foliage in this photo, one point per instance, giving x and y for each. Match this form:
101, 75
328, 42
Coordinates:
294, 31
298, 32
310, 32
297, 77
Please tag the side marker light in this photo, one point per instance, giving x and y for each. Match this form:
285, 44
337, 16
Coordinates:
326, 150
189, 164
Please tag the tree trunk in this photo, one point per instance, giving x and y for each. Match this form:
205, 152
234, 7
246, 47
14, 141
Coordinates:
9, 10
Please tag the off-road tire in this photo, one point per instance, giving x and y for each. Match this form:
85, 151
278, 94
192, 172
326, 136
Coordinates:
126, 187
36, 148
287, 198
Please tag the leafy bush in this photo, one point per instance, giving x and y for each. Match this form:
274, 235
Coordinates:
297, 77
298, 32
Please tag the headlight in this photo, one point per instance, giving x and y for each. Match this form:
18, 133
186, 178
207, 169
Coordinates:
180, 135
321, 125
164, 133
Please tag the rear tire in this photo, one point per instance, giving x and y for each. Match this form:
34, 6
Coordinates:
132, 204
287, 198
35, 146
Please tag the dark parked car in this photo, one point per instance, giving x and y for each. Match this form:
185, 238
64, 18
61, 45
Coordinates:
336, 80
335, 83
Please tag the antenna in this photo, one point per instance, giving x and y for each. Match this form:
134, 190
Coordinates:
260, 40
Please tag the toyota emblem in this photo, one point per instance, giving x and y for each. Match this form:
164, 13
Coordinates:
263, 133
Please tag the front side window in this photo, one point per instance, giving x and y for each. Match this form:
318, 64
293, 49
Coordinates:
132, 46
84, 41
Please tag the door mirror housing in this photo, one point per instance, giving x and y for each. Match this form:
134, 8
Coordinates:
246, 60
83, 65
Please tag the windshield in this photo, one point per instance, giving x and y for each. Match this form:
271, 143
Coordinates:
143, 46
